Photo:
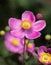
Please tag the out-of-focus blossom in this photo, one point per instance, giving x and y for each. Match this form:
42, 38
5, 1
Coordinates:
7, 28
30, 47
39, 16
17, 45
44, 55
26, 27
48, 37
2, 32
13, 44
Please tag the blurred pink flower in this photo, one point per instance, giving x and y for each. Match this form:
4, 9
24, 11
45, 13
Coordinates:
44, 55
17, 45
26, 27
13, 44
30, 47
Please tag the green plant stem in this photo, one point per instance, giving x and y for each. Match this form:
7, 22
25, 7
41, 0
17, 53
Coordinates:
23, 51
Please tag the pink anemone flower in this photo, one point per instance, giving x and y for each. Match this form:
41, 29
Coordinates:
26, 27
13, 44
17, 45
44, 55
30, 47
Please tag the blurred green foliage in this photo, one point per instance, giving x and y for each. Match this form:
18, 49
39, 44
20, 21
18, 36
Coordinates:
14, 8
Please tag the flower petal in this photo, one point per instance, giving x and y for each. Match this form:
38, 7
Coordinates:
39, 25
16, 33
28, 15
14, 23
33, 35
14, 49
31, 50
41, 49
8, 37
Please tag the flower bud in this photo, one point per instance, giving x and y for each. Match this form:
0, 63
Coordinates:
7, 28
48, 37
2, 32
39, 16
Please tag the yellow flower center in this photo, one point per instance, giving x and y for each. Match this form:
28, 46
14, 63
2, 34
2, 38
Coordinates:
45, 57
15, 42
26, 24
29, 45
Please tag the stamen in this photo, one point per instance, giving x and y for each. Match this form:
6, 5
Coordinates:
45, 57
26, 24
29, 45
15, 42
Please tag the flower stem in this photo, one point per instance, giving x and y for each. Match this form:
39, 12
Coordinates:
23, 51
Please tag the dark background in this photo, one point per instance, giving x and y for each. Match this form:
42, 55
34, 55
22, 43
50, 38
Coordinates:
14, 8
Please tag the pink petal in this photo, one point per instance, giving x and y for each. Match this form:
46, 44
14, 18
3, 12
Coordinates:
39, 25
8, 36
14, 23
31, 50
41, 49
33, 35
28, 15
16, 33
14, 49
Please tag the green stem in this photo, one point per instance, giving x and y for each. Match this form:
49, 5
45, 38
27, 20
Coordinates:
23, 51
